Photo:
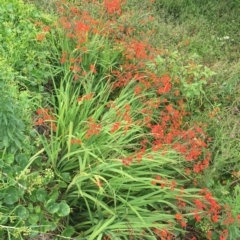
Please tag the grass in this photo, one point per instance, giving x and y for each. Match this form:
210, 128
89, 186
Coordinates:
135, 109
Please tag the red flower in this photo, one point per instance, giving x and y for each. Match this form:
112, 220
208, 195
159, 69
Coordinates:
81, 27
115, 127
76, 141
63, 60
86, 97
40, 121
164, 89
74, 9
93, 128
42, 111
99, 183
153, 182
173, 185
137, 89
183, 224
113, 6
93, 69
169, 108
46, 29
199, 204
53, 126
139, 50
215, 218
40, 37
197, 217
127, 161
209, 235
178, 216
157, 131
224, 235
158, 177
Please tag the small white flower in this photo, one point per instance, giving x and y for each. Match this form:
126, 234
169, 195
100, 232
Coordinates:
226, 38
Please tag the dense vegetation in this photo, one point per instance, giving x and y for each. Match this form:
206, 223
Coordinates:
119, 119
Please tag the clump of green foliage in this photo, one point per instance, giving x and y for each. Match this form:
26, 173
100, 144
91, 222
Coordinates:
19, 45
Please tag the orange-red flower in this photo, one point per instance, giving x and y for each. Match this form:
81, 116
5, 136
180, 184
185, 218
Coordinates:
46, 28
113, 6
40, 37
115, 127
178, 216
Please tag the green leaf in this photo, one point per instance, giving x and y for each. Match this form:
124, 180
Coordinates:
101, 228
11, 195
22, 183
9, 158
1, 194
8, 170
62, 184
2, 233
33, 234
54, 195
66, 176
38, 161
51, 206
5, 141
1, 163
19, 145
41, 194
37, 209
30, 207
100, 237
9, 133
5, 120
63, 210
33, 218
32, 197
3, 220
68, 231
46, 226
22, 159
22, 212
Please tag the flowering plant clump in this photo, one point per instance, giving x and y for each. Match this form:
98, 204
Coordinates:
122, 143
120, 158
45, 119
